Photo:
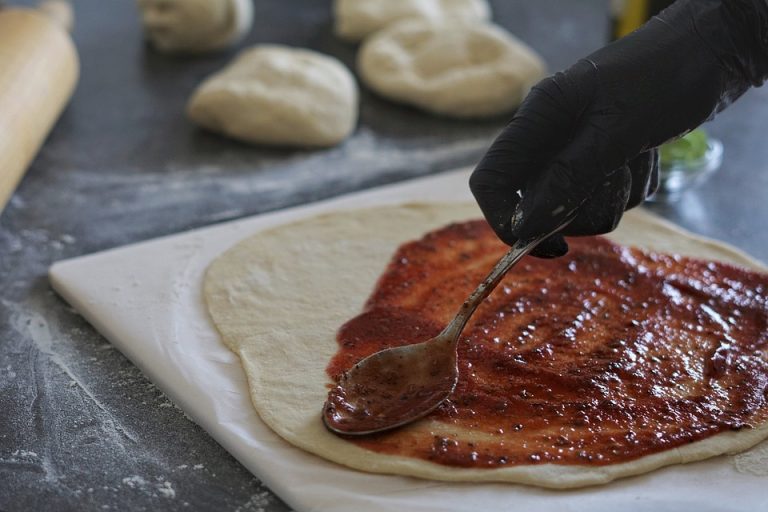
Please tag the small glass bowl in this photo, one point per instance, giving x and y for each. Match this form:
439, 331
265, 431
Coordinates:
678, 176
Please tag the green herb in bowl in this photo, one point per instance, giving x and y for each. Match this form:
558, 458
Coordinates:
687, 149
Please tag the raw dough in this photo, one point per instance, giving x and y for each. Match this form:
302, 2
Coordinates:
451, 68
195, 26
279, 297
279, 95
355, 19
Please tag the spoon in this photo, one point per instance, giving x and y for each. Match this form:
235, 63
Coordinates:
396, 386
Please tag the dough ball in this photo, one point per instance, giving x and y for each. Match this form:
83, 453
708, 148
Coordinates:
195, 26
355, 19
452, 68
278, 95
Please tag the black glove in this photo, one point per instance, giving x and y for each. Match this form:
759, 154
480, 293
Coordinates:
581, 148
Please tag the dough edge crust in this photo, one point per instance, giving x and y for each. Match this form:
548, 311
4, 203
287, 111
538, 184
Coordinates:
292, 409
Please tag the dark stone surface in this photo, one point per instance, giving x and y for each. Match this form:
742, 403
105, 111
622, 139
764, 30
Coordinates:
81, 428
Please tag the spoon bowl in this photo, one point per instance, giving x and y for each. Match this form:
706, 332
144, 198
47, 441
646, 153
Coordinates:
405, 383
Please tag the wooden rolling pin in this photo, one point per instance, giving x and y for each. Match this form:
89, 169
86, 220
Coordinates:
38, 72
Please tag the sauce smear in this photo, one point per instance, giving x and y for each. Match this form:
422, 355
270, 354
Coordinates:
599, 357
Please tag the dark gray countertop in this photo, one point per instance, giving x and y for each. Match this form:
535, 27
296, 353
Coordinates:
81, 428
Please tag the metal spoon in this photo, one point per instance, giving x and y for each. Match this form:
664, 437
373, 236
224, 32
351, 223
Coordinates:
398, 385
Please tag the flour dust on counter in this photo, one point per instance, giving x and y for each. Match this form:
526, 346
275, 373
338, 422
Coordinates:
74, 419
271, 184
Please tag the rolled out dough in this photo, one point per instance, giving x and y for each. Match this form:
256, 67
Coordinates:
279, 297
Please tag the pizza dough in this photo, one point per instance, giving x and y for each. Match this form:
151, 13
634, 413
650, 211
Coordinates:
279, 297
355, 19
452, 68
279, 95
195, 26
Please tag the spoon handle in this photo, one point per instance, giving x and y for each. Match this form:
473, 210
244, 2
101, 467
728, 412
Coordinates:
485, 288
520, 249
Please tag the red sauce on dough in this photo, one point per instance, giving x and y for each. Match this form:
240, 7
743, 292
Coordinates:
602, 356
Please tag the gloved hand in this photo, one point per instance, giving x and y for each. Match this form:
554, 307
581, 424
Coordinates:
581, 148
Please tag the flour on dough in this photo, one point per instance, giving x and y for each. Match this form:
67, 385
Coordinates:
195, 26
279, 297
279, 95
452, 68
356, 19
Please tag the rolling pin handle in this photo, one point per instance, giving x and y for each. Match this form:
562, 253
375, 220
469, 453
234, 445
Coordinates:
39, 68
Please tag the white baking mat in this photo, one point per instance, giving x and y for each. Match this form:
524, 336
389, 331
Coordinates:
146, 299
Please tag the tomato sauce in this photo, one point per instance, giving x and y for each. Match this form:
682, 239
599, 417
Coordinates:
602, 356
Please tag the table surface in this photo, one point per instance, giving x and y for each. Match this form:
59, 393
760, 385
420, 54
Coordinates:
82, 428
